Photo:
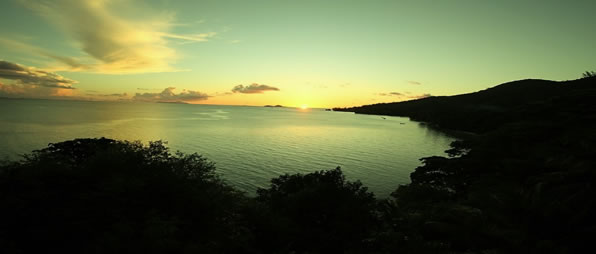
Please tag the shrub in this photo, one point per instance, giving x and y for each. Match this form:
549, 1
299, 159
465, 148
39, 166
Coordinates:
321, 212
106, 196
589, 74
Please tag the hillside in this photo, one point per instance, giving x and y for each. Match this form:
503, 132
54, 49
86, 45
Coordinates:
523, 100
524, 184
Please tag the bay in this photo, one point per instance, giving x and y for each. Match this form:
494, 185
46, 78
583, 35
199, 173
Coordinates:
250, 145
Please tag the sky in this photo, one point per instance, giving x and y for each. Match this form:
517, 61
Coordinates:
292, 53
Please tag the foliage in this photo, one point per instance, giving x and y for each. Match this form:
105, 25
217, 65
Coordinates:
522, 186
486, 110
102, 195
589, 74
320, 212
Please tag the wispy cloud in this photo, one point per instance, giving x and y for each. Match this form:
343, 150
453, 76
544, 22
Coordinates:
253, 88
411, 82
192, 37
405, 95
223, 93
62, 62
114, 42
168, 95
391, 94
420, 96
112, 95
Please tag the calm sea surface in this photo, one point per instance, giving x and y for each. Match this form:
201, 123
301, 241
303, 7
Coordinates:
250, 145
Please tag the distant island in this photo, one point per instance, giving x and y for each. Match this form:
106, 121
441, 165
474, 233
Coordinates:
274, 106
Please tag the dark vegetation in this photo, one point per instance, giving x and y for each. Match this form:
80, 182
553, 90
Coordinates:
528, 100
106, 196
523, 184
589, 74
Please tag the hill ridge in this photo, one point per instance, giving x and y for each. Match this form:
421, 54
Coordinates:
486, 109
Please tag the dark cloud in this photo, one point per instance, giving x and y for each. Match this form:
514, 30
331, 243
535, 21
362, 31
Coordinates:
405, 95
29, 82
21, 90
411, 82
119, 95
223, 94
4, 65
253, 88
168, 95
391, 94
420, 96
24, 75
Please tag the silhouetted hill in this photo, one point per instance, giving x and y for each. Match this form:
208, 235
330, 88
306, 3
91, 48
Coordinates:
522, 100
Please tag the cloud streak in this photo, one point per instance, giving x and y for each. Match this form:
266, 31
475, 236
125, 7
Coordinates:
168, 95
253, 88
113, 42
112, 95
23, 90
405, 96
391, 94
420, 96
30, 76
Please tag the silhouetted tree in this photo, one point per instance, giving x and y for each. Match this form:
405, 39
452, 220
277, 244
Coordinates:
319, 212
589, 74
107, 196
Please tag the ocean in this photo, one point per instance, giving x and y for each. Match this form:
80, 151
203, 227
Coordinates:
250, 145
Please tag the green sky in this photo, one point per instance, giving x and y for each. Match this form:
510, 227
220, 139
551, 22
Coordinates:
319, 53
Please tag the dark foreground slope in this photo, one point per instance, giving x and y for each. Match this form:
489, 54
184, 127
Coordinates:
109, 196
523, 100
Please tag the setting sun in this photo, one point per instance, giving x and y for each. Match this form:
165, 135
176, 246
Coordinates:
304, 106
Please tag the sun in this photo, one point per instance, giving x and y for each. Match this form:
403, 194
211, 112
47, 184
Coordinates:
304, 107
